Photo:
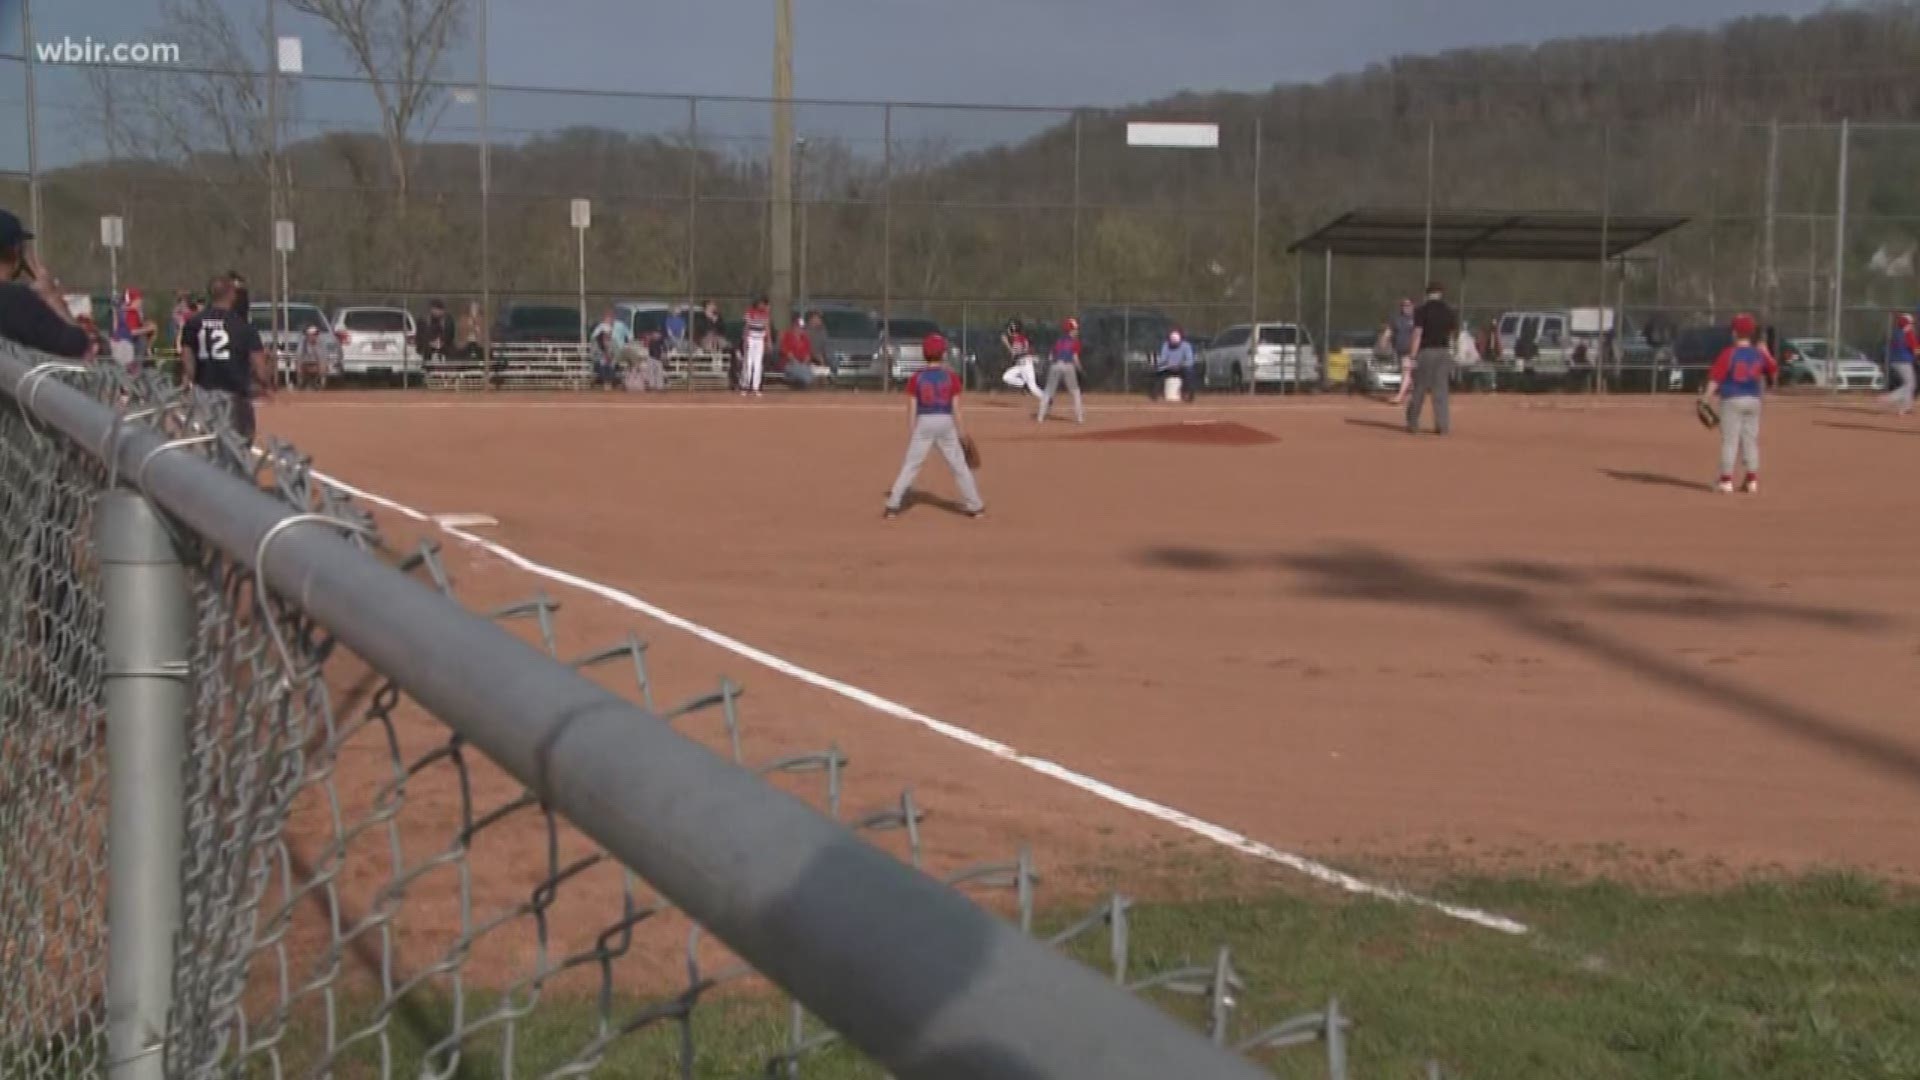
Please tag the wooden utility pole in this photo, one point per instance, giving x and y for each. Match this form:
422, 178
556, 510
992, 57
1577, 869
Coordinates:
780, 291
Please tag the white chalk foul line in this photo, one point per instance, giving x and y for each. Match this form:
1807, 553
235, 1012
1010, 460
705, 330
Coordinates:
1219, 834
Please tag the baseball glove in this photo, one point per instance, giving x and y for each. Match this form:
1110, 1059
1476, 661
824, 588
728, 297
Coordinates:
1709, 416
971, 450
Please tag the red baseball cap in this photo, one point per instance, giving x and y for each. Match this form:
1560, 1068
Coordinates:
1072, 324
1744, 325
934, 347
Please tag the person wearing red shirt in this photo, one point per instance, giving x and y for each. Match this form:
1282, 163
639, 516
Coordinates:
1739, 378
796, 354
933, 419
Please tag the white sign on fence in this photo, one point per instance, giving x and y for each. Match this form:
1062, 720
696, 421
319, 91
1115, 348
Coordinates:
1179, 136
292, 62
113, 231
582, 214
283, 235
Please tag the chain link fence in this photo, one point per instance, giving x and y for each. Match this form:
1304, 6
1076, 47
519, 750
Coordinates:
968, 215
273, 803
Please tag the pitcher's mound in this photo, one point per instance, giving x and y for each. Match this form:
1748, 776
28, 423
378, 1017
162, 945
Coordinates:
1190, 432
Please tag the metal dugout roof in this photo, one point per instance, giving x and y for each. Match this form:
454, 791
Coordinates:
1473, 235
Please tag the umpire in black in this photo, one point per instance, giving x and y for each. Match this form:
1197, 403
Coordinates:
220, 352
1435, 325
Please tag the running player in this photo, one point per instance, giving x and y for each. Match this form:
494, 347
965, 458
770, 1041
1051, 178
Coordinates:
1065, 368
1901, 353
1021, 376
1740, 377
933, 419
222, 353
756, 333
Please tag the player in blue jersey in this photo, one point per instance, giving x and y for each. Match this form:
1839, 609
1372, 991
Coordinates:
933, 419
1740, 378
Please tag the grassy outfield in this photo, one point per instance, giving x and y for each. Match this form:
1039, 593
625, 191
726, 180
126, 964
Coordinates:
1816, 977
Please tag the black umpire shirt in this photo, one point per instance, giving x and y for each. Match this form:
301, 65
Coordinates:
1438, 324
27, 320
222, 344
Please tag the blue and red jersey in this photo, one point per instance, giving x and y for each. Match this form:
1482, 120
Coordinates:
1905, 345
933, 390
1743, 371
1067, 348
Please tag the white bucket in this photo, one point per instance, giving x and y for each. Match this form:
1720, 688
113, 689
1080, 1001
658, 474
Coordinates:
1170, 389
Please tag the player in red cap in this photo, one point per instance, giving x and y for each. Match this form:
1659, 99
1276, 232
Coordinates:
1902, 351
1065, 369
1740, 378
933, 419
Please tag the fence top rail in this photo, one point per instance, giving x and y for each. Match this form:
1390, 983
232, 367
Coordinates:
908, 969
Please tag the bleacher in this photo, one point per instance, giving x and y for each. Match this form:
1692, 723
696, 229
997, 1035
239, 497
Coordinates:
564, 367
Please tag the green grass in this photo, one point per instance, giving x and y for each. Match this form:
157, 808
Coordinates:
1813, 978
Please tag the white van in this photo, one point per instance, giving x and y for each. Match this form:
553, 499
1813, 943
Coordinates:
1261, 354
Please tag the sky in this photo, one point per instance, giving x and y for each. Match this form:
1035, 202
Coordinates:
1055, 52
998, 52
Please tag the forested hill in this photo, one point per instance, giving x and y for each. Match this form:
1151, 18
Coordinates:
1672, 121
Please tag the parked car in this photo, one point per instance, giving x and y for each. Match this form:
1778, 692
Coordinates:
376, 342
853, 340
1261, 354
1692, 354
1118, 345
900, 343
294, 320
1364, 370
538, 324
1811, 362
645, 317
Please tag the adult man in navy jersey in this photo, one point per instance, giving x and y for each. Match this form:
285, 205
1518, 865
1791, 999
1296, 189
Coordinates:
220, 352
933, 419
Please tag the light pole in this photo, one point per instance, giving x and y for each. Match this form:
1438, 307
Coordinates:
780, 291
800, 189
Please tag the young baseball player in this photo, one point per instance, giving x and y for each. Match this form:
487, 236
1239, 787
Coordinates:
1901, 354
933, 419
1021, 376
757, 330
1065, 368
1739, 378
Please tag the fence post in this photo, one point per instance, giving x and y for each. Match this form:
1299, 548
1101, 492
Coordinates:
1839, 260
33, 125
146, 633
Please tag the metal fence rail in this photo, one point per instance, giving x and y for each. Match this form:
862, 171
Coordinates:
166, 590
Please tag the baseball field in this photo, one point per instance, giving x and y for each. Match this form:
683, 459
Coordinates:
1545, 757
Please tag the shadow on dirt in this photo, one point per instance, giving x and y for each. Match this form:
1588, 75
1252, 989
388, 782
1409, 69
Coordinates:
1543, 601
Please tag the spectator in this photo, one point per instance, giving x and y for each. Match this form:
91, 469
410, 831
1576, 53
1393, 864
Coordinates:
224, 356
796, 355
707, 324
242, 299
817, 342
310, 364
32, 310
652, 366
676, 330
1490, 348
1175, 359
132, 333
1400, 329
470, 335
183, 309
604, 346
435, 336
